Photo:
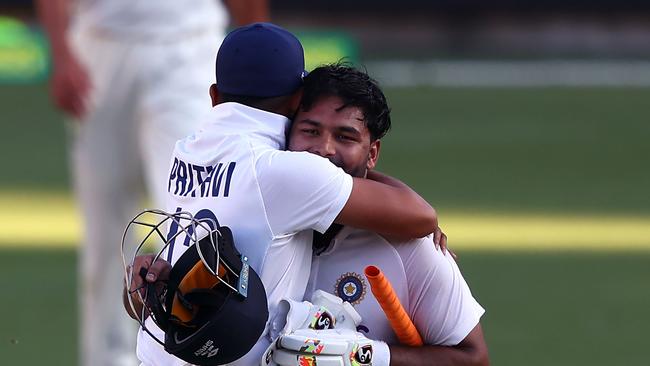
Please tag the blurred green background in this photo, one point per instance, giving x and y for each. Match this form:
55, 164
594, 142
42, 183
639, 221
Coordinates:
492, 160
542, 189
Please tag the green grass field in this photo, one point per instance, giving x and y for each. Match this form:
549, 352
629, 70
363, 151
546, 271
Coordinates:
489, 159
542, 309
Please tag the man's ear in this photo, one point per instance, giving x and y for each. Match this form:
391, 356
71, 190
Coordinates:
214, 94
373, 154
294, 103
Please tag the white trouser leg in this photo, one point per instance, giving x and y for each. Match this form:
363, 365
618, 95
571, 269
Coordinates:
145, 98
177, 78
108, 186
177, 84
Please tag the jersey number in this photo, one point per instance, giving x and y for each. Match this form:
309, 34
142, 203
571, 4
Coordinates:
206, 216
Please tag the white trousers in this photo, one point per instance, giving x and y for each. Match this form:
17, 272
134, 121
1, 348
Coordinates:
145, 96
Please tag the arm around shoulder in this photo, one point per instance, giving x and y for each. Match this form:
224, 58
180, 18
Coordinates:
388, 210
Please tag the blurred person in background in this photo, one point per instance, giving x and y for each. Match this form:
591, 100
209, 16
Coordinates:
131, 74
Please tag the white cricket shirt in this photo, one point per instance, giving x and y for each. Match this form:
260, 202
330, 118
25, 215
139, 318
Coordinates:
233, 168
428, 284
150, 19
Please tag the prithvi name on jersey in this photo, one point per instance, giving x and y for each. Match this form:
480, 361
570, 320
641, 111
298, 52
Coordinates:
192, 180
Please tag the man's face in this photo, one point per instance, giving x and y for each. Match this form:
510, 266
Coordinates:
339, 135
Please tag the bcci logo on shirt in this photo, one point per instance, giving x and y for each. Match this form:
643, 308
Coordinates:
351, 287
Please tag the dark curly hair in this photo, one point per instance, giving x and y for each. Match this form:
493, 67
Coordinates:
355, 88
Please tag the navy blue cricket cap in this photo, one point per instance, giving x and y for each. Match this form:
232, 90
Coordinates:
260, 60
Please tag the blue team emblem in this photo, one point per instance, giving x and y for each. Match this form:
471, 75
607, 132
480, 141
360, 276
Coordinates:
351, 287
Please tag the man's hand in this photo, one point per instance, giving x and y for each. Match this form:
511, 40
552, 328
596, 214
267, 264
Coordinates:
439, 238
440, 241
70, 85
157, 273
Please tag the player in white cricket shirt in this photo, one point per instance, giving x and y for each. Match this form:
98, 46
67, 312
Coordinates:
132, 74
233, 169
343, 116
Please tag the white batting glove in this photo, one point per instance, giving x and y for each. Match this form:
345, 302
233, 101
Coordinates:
345, 316
326, 311
331, 347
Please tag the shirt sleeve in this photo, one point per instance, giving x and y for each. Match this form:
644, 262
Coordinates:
301, 191
440, 302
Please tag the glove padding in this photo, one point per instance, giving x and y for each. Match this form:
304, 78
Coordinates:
325, 311
330, 347
297, 328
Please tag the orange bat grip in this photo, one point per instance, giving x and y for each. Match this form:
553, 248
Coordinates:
399, 320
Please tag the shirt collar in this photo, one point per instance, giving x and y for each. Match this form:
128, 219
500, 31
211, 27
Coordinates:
338, 238
237, 118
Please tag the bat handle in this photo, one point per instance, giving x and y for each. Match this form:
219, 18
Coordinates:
399, 320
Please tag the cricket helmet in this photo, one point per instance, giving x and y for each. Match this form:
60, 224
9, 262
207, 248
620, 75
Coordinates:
213, 307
